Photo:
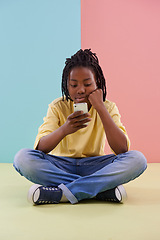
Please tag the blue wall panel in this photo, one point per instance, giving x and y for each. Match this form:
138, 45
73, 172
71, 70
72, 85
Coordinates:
35, 38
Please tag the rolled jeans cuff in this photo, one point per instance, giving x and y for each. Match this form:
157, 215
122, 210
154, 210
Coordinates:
68, 194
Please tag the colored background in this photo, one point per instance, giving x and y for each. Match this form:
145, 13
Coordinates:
36, 36
126, 37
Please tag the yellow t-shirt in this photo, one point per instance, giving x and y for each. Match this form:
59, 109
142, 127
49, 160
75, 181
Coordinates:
86, 142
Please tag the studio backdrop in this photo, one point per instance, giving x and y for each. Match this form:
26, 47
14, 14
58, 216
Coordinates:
37, 36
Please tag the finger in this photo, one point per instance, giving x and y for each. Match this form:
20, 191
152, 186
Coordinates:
79, 117
81, 122
93, 91
75, 114
81, 126
82, 116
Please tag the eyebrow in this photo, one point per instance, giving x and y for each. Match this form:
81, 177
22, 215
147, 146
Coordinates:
86, 79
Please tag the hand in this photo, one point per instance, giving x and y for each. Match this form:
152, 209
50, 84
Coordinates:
76, 121
96, 98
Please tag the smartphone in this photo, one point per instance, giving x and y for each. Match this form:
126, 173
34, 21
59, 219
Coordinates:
81, 107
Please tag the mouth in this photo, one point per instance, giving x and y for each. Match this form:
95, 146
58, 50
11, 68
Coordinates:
80, 99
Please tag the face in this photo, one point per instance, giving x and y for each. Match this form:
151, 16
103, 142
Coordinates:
81, 83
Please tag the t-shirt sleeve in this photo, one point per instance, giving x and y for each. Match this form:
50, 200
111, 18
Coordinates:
114, 113
50, 124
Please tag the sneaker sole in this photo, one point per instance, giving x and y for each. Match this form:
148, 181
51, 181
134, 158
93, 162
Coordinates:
31, 193
121, 193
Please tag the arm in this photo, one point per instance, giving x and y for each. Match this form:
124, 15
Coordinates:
50, 141
116, 138
74, 122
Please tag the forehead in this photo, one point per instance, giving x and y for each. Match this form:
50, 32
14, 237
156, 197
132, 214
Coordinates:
81, 72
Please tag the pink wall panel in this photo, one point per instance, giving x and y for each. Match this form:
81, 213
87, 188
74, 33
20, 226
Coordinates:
126, 37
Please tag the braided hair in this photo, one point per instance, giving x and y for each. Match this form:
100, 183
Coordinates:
84, 58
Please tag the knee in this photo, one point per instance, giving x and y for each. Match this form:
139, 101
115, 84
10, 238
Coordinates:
138, 160
21, 158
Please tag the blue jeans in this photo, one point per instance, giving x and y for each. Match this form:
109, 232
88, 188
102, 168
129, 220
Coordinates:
80, 178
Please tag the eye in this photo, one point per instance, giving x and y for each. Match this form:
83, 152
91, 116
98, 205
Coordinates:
88, 84
74, 86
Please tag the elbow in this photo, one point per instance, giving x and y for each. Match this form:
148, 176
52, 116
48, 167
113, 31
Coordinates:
41, 147
122, 149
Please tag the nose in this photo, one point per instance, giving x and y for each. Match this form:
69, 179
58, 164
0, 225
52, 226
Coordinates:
81, 89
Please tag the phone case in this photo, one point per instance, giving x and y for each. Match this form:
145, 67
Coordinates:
80, 107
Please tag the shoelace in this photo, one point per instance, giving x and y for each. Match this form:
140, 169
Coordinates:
47, 195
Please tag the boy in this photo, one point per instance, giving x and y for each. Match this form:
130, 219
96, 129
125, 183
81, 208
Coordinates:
69, 163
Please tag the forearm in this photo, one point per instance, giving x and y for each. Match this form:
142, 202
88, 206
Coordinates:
116, 138
49, 142
74, 122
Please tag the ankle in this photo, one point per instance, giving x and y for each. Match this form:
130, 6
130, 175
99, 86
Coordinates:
64, 199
